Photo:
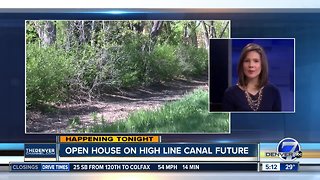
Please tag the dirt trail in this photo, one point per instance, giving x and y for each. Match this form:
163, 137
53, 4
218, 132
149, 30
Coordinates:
111, 107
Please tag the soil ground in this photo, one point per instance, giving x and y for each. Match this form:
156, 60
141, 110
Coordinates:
111, 107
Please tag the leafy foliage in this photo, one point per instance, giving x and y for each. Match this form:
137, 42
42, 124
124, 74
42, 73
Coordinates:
48, 71
192, 60
90, 57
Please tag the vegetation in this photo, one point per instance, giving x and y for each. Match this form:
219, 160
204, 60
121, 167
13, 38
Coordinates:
80, 59
189, 114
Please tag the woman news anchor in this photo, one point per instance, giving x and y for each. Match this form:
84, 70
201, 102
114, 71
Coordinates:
253, 92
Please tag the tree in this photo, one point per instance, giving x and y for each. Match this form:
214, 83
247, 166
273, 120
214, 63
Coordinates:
155, 29
46, 31
190, 33
224, 29
205, 34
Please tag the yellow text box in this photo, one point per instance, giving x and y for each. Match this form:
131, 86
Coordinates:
109, 139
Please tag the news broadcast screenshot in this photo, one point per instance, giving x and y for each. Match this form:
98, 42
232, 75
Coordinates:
174, 93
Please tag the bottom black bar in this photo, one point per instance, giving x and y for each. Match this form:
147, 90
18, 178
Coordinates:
138, 167
163, 167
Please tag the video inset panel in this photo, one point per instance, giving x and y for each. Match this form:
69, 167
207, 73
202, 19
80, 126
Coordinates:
93, 76
252, 75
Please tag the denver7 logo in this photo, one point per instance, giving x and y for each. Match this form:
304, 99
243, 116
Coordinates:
289, 149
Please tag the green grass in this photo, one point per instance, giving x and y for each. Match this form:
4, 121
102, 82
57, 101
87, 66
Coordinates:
188, 115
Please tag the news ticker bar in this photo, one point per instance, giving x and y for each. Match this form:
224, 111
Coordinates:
135, 167
165, 166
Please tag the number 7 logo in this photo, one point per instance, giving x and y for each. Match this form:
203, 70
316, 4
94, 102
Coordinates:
289, 149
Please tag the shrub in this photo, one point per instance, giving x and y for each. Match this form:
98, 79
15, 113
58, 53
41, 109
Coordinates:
163, 64
47, 73
130, 63
192, 60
